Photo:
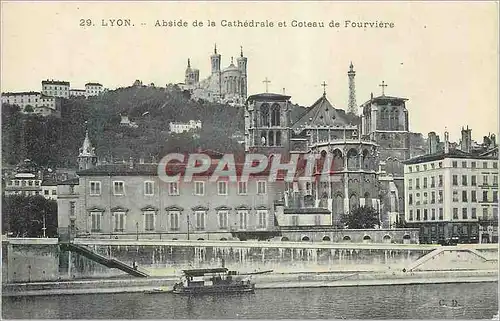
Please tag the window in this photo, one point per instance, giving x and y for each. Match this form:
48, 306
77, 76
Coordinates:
485, 196
464, 196
418, 214
495, 213
417, 183
455, 180
433, 182
455, 213
199, 188
222, 188
410, 169
473, 197
425, 182
455, 196
200, 220
46, 192
464, 180
464, 164
485, 164
495, 165
119, 218
425, 167
242, 188
485, 180
148, 188
485, 213
464, 213
473, 164
473, 180
425, 198
441, 214
454, 164
30, 183
96, 218
174, 220
149, 220
495, 180
295, 220
243, 219
95, 188
417, 168
433, 214
72, 189
440, 181
72, 208
417, 199
223, 220
410, 183
495, 196
118, 188
262, 223
433, 197
433, 165
173, 188
473, 213
411, 216
425, 215
410, 199
261, 187
440, 164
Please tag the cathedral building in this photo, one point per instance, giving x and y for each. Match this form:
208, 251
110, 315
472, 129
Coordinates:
228, 85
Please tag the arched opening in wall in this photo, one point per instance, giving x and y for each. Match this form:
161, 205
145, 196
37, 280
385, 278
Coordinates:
277, 139
200, 239
406, 239
275, 115
270, 141
353, 202
352, 159
326, 238
285, 239
367, 239
338, 160
346, 238
263, 138
366, 159
264, 115
223, 239
305, 238
386, 238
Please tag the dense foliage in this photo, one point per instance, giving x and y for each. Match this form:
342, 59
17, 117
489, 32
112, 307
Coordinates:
23, 216
363, 217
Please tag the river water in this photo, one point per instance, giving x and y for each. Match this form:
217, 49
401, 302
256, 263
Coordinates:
474, 301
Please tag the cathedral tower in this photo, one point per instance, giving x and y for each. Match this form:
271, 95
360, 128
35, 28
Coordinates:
242, 66
87, 157
351, 106
215, 58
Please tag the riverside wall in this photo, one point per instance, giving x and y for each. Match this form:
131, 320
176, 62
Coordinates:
34, 260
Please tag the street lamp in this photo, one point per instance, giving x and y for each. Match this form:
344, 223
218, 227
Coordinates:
44, 227
137, 230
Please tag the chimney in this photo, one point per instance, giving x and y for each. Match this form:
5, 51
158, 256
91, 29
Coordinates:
131, 163
446, 142
432, 143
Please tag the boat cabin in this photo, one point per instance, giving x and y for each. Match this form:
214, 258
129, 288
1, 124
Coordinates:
207, 277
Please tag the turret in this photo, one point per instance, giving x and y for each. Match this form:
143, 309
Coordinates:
87, 157
242, 66
215, 58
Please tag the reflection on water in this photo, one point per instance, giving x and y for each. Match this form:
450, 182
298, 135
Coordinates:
430, 301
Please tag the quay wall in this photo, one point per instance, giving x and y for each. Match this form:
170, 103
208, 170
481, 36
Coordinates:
44, 260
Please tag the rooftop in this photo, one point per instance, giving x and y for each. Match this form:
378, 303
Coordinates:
322, 113
384, 100
269, 97
55, 82
93, 84
20, 93
453, 153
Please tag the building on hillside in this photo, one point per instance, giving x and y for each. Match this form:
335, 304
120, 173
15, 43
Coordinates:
126, 122
25, 180
77, 93
49, 189
179, 127
55, 88
452, 195
93, 89
228, 85
22, 99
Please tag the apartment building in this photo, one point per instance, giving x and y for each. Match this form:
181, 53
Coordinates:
55, 88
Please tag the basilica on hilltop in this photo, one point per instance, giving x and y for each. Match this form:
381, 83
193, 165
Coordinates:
228, 85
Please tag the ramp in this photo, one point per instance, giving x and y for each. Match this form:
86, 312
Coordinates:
425, 258
101, 259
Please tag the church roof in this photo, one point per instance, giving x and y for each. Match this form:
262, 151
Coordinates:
87, 150
384, 100
269, 97
230, 67
322, 113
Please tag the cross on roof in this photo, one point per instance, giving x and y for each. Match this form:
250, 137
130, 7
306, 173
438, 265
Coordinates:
324, 87
383, 85
266, 81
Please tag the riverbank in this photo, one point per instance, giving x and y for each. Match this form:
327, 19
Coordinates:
269, 281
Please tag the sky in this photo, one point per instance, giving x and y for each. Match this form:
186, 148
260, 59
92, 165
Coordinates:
442, 56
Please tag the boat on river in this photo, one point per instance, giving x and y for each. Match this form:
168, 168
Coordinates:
216, 280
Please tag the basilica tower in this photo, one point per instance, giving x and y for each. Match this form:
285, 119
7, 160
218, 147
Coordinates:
242, 66
215, 59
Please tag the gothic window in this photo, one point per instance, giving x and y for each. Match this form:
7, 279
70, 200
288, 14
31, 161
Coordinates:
278, 139
353, 202
396, 121
338, 160
339, 206
352, 159
264, 115
366, 159
271, 138
263, 139
275, 115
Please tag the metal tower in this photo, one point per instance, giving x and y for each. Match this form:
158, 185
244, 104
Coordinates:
351, 106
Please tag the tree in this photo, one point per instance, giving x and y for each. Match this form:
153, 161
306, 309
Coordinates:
29, 109
24, 216
363, 217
